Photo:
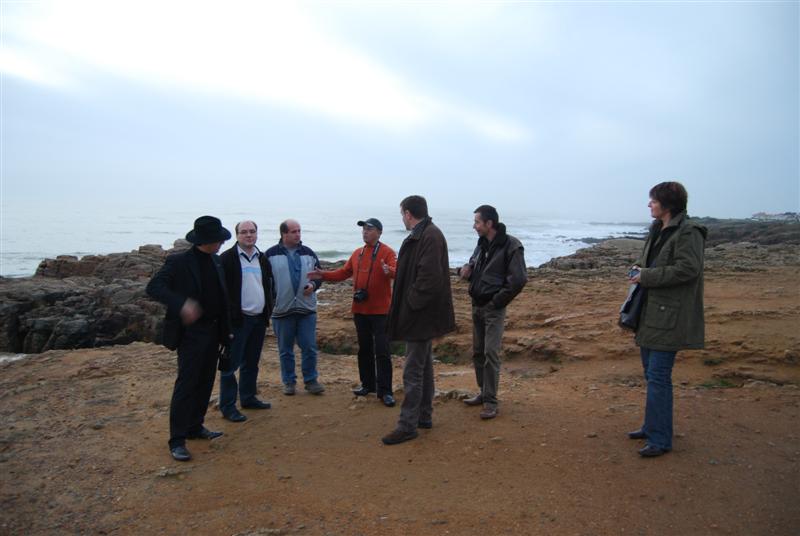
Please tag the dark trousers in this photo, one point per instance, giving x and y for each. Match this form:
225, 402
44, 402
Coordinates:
418, 386
197, 368
487, 337
248, 340
373, 353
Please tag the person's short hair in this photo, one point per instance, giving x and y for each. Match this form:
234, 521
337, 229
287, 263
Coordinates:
671, 195
416, 205
488, 213
245, 221
284, 227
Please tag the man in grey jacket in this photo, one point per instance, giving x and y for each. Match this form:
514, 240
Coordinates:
294, 316
496, 273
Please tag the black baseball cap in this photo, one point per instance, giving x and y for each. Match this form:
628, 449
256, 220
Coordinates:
373, 222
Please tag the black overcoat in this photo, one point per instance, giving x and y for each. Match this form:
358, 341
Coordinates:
178, 280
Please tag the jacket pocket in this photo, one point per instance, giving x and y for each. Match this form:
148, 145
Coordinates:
662, 312
488, 285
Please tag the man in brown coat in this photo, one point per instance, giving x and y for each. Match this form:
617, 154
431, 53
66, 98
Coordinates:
421, 310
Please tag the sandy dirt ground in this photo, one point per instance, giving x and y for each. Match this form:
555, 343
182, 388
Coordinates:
83, 442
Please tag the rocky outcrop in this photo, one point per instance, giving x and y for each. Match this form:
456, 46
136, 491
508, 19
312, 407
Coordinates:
97, 300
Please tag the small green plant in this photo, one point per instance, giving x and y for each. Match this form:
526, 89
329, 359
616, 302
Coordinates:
397, 348
446, 353
334, 349
718, 383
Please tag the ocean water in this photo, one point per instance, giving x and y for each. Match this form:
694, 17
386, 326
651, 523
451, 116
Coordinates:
30, 234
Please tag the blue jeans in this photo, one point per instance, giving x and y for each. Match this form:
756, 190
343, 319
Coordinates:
248, 339
303, 329
658, 410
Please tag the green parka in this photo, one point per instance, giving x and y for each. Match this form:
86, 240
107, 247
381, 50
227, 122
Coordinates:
672, 316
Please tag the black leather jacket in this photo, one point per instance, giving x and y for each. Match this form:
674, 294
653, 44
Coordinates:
498, 270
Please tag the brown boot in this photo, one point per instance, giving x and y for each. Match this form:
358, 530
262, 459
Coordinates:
476, 400
489, 412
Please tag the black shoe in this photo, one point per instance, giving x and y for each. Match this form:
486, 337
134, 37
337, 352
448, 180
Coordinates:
180, 453
388, 401
476, 400
427, 425
362, 391
235, 416
256, 404
649, 451
398, 436
637, 434
204, 433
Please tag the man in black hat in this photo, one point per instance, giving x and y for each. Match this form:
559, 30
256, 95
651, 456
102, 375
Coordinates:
192, 286
372, 268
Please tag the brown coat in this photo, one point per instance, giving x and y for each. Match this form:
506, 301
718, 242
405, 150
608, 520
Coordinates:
422, 303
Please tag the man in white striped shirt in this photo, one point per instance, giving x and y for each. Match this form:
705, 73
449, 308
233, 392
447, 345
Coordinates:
248, 277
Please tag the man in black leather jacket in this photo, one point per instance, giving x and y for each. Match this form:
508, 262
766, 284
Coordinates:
496, 273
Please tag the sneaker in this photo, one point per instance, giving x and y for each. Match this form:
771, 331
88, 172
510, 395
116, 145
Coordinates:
288, 389
398, 436
315, 388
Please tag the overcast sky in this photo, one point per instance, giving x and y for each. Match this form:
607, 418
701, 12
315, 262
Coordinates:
569, 109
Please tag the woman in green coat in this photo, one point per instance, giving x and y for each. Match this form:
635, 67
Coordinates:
670, 272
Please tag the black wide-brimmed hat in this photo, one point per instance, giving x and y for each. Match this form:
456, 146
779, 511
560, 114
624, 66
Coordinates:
207, 230
372, 222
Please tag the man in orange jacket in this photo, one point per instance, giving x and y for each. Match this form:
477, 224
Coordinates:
372, 268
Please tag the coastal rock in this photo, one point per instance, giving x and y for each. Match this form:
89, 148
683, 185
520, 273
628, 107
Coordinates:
94, 301
100, 300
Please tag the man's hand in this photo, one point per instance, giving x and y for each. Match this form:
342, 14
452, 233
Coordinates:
309, 289
465, 271
385, 267
314, 275
190, 312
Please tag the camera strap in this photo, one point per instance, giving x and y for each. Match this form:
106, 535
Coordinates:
371, 264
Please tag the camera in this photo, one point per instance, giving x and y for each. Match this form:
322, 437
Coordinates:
360, 295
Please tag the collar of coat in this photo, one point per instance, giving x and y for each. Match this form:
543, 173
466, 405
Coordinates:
499, 239
416, 232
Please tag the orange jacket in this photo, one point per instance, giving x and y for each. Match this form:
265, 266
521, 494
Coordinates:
380, 284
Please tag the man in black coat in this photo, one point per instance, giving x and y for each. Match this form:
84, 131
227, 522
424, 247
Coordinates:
192, 286
496, 273
248, 276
